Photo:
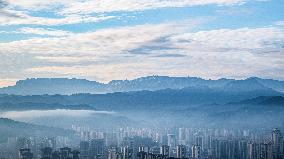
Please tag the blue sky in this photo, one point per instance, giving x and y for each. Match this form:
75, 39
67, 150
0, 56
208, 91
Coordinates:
117, 39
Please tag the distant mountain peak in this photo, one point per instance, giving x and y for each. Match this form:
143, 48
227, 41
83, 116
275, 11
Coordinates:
68, 86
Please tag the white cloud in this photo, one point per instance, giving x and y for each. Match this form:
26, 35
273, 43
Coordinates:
280, 23
116, 53
37, 4
231, 39
90, 6
13, 17
42, 31
102, 42
7, 82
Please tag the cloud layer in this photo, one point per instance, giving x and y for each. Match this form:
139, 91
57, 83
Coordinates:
14, 12
167, 49
98, 40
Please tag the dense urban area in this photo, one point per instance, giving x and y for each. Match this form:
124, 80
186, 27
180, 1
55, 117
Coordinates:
145, 143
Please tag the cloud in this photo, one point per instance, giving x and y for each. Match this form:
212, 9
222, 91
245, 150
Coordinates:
243, 39
15, 12
280, 23
101, 42
7, 82
12, 17
97, 6
37, 4
43, 31
3, 4
102, 47
83, 11
87, 7
164, 49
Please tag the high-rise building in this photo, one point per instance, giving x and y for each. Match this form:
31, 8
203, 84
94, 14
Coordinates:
155, 150
196, 152
46, 153
253, 151
127, 152
171, 140
242, 148
25, 153
223, 148
265, 151
171, 143
165, 150
56, 155
143, 149
96, 149
75, 154
182, 136
84, 150
113, 153
277, 143
181, 151
142, 155
232, 149
65, 153
199, 141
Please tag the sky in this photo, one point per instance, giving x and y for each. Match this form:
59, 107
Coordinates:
105, 40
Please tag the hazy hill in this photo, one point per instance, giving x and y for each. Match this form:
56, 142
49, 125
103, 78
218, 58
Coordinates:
248, 85
11, 128
42, 106
66, 86
259, 112
263, 100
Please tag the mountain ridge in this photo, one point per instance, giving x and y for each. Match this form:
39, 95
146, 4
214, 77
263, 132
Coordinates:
66, 86
262, 100
140, 99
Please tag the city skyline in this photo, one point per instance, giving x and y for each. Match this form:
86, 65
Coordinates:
108, 40
143, 143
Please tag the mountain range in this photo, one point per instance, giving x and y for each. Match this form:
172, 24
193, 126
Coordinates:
153, 100
65, 86
136, 100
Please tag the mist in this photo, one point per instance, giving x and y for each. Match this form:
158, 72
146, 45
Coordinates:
33, 114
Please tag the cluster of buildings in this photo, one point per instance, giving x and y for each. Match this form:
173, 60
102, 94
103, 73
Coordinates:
136, 143
48, 153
